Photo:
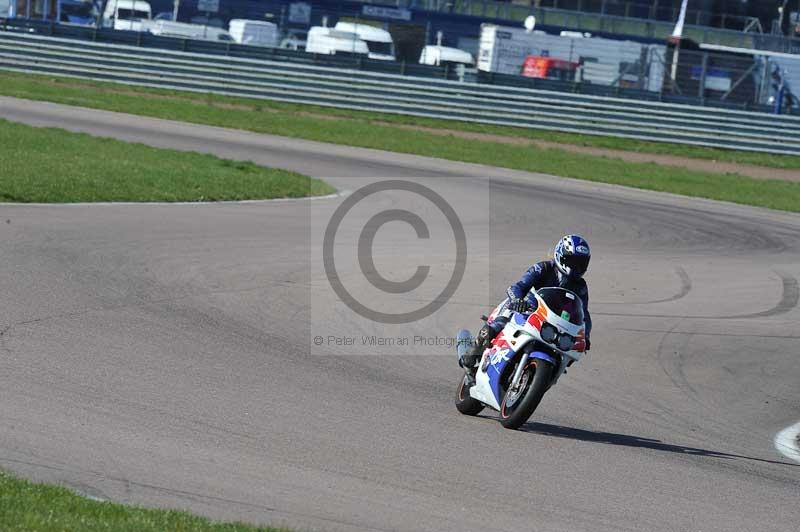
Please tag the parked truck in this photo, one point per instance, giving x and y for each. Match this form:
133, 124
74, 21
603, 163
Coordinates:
330, 41
184, 30
254, 32
380, 44
603, 61
436, 55
131, 15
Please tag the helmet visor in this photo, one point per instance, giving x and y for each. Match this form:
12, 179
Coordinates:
577, 264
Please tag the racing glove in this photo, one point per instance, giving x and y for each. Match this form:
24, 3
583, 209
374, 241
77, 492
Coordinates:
519, 305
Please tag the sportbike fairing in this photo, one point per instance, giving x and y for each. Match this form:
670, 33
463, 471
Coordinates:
556, 321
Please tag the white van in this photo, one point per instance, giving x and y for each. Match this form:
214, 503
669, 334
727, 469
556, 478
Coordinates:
329, 41
379, 41
183, 30
127, 15
254, 32
443, 55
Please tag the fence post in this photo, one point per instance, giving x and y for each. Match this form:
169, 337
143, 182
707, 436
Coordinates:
701, 91
643, 62
764, 82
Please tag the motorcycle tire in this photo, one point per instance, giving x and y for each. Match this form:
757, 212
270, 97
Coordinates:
539, 374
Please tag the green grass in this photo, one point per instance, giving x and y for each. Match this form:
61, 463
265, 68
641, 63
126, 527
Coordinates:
372, 130
53, 165
29, 507
282, 118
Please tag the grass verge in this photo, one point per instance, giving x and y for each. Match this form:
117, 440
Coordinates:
30, 507
56, 166
279, 118
360, 129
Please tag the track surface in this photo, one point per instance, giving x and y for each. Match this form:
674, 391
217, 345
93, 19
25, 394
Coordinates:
158, 355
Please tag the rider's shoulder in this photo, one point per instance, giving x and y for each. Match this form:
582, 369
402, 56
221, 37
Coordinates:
544, 266
581, 288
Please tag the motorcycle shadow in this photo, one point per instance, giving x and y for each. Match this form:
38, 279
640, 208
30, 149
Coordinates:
626, 440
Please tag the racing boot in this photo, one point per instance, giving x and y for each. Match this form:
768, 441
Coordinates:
473, 356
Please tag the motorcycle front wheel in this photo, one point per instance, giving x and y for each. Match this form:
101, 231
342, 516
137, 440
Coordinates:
517, 406
464, 401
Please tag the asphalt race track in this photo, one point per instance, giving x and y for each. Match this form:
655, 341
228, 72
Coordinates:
161, 354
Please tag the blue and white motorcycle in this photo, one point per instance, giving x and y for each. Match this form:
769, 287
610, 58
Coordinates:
526, 358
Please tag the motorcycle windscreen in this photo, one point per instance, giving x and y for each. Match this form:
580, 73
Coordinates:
563, 303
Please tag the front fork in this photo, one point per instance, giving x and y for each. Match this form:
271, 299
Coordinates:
523, 362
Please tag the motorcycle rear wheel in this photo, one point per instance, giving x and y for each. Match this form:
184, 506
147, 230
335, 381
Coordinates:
465, 403
536, 380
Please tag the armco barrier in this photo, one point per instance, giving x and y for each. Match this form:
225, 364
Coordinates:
426, 97
356, 62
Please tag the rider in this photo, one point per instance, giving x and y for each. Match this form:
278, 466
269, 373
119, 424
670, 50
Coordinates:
570, 261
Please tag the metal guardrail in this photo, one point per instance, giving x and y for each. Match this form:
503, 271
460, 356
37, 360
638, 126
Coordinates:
359, 62
144, 39
359, 90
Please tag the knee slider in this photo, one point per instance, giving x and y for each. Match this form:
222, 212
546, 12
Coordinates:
485, 335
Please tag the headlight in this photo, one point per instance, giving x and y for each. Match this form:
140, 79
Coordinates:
548, 333
565, 342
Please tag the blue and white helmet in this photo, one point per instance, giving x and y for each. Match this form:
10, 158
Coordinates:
572, 255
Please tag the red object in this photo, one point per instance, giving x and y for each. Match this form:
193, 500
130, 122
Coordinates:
536, 66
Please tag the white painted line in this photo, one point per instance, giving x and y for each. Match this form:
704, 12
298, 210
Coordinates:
178, 203
787, 442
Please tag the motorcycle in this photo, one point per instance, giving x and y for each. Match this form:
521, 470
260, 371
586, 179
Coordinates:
526, 358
